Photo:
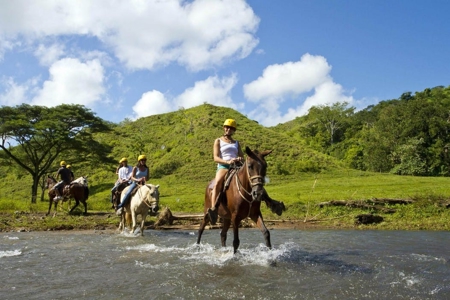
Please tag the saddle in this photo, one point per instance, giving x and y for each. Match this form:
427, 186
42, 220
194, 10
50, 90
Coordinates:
231, 172
135, 189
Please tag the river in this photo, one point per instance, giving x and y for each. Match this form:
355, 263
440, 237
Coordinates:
312, 264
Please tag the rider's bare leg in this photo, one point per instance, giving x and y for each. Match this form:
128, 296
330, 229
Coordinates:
220, 176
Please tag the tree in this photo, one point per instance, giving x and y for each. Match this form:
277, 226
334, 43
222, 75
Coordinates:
334, 119
35, 136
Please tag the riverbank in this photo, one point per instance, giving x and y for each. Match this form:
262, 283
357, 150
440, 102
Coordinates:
108, 222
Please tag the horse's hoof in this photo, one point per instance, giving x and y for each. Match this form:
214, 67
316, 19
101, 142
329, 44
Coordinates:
212, 216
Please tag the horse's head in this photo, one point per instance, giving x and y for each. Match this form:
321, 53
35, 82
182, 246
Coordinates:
153, 198
256, 167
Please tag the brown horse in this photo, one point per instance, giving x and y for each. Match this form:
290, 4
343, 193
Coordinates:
241, 199
74, 190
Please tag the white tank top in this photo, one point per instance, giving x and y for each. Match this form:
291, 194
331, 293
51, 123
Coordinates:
228, 151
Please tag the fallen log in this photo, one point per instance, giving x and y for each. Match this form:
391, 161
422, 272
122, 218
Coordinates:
367, 204
166, 217
366, 219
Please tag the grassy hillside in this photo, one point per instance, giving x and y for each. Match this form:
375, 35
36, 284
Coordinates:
179, 150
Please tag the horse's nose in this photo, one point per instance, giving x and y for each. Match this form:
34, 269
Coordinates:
155, 209
255, 195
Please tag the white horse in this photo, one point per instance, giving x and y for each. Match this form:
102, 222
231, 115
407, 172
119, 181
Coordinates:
81, 180
145, 199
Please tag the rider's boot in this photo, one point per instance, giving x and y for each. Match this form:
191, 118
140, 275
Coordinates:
58, 195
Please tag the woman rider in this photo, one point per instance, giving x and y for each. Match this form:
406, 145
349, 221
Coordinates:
227, 151
140, 175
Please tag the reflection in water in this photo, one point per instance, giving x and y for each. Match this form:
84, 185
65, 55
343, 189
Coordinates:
169, 265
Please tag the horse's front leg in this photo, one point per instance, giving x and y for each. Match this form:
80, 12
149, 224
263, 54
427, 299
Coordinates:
202, 227
236, 241
122, 223
143, 223
266, 233
76, 204
133, 218
223, 234
50, 206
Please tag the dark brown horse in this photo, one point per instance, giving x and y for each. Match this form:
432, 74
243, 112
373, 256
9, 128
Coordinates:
75, 190
241, 199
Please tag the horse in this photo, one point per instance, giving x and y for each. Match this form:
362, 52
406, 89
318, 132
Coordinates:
145, 198
77, 189
242, 198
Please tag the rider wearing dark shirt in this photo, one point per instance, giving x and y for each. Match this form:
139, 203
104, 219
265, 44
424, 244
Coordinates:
66, 178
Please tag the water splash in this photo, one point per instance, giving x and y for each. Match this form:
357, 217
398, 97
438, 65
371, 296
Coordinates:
10, 253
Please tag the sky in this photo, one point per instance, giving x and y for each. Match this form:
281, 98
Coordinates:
270, 60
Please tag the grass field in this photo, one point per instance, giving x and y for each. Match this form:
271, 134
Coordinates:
431, 196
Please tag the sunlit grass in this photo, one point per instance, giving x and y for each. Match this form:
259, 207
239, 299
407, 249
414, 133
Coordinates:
301, 196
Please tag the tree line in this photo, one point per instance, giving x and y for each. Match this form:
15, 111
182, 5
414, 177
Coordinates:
405, 136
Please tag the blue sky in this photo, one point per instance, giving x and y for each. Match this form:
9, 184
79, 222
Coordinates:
269, 60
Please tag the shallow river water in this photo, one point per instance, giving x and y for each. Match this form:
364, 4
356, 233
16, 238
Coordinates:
325, 264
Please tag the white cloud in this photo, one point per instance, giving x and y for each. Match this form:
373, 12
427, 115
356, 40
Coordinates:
143, 34
151, 103
47, 55
291, 80
14, 94
73, 82
213, 90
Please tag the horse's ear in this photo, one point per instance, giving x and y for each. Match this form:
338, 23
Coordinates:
266, 152
157, 186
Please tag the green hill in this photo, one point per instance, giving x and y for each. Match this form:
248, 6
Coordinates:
180, 143
178, 146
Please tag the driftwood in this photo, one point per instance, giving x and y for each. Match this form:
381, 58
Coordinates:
368, 219
166, 217
374, 204
166, 221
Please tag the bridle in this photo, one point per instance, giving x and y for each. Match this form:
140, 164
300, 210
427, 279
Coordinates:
259, 178
148, 201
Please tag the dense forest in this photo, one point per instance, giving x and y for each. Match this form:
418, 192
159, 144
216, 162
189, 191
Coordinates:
405, 136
